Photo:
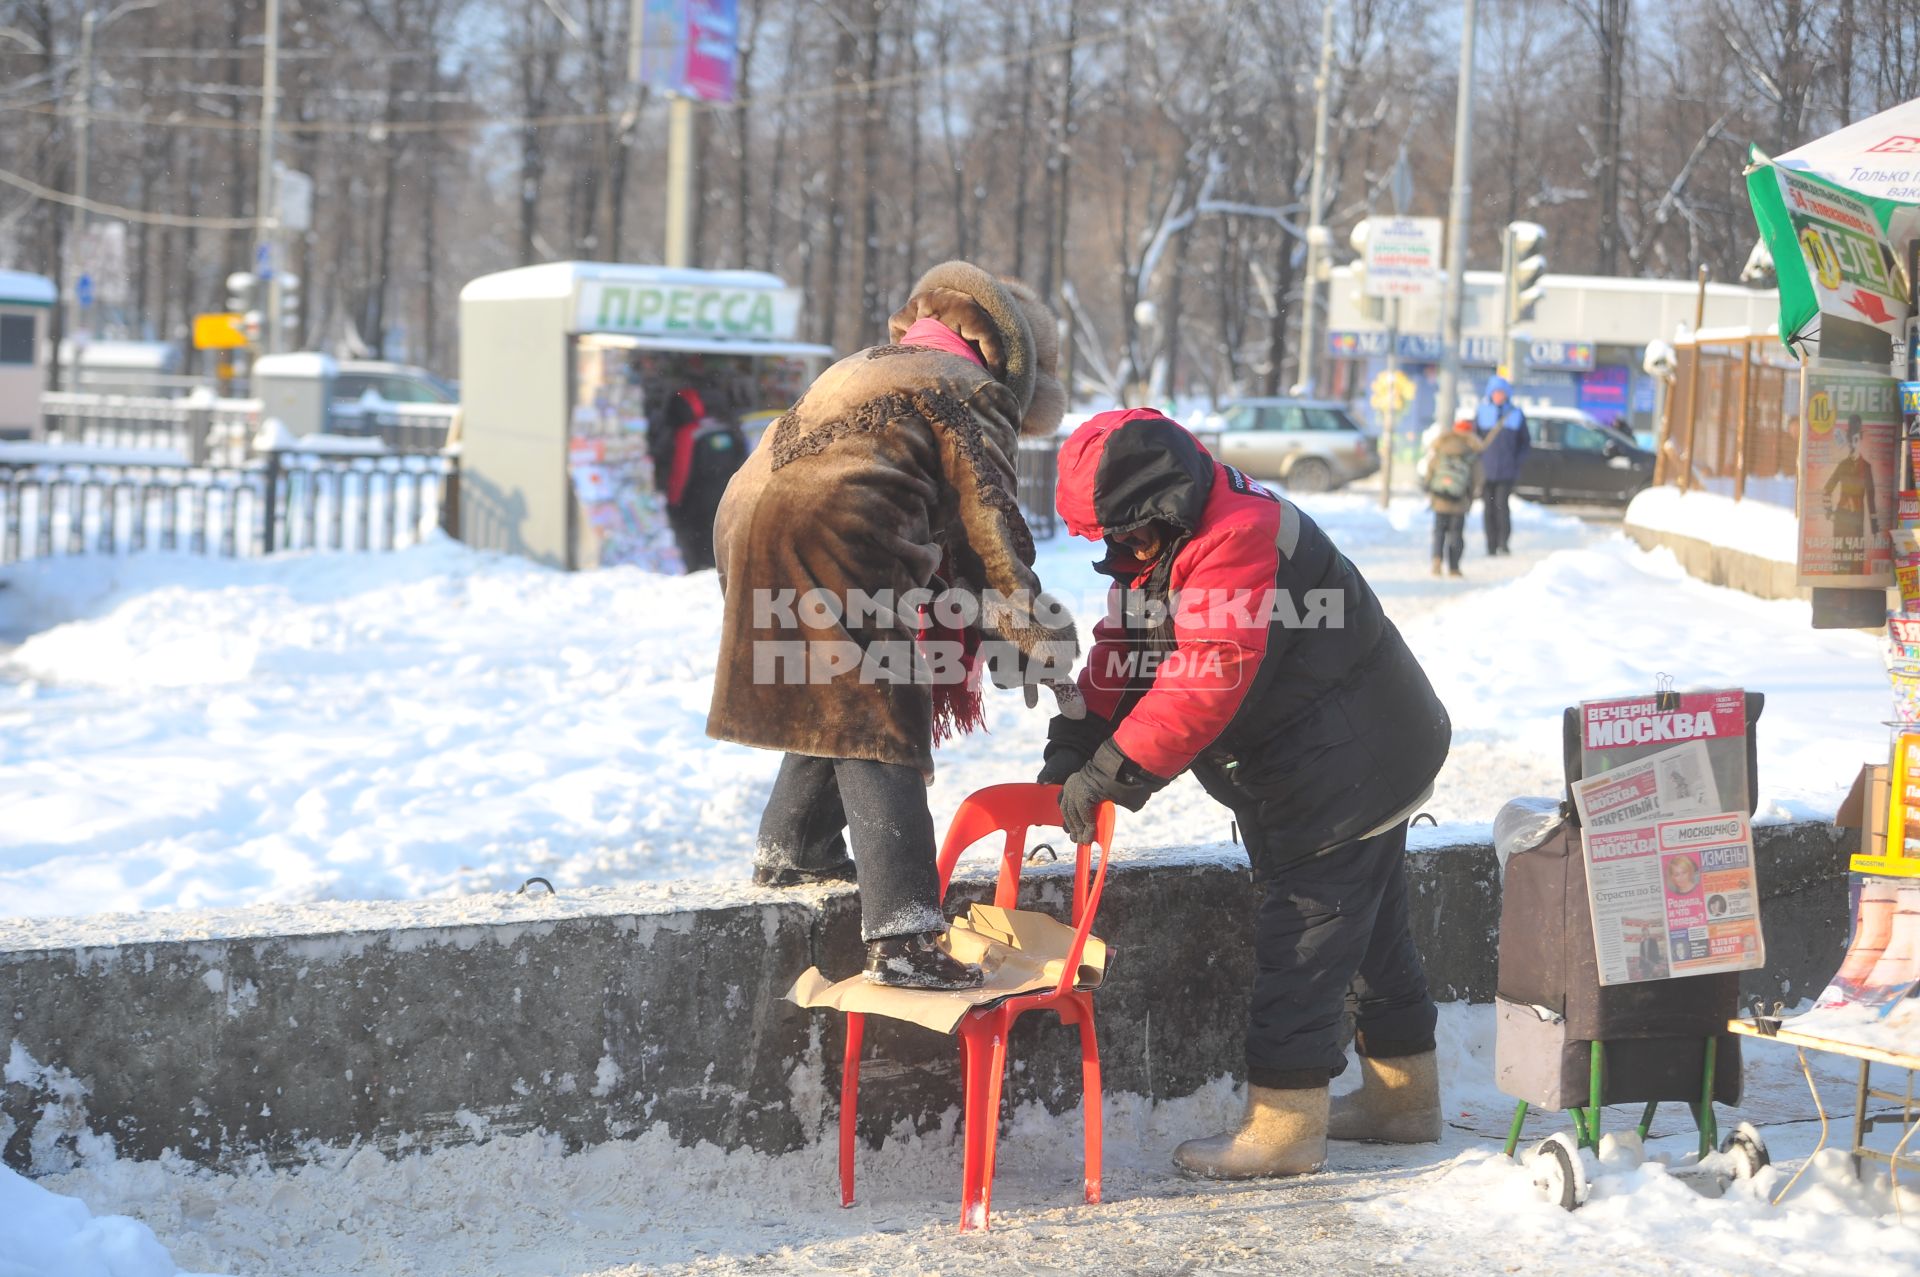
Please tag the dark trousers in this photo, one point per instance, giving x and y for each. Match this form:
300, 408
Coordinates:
693, 533
1327, 926
1493, 509
1449, 537
884, 805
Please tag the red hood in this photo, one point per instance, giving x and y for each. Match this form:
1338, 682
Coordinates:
1092, 504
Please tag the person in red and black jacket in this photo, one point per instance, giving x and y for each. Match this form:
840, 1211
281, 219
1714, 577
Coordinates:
693, 458
1243, 646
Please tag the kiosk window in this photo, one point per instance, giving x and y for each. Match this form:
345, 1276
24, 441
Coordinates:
16, 339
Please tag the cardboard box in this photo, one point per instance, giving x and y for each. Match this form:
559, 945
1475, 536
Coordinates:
1021, 952
1865, 810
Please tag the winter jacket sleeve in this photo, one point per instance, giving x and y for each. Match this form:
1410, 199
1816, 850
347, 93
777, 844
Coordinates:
998, 555
1102, 679
1220, 635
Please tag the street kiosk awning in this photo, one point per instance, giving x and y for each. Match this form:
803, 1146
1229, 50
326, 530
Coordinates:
1836, 214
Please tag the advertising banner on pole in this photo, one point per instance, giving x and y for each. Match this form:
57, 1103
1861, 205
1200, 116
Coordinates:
687, 47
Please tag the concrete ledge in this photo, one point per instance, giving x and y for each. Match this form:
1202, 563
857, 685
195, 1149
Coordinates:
1722, 565
602, 1013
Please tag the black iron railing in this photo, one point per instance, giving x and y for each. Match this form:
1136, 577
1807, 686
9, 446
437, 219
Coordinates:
1037, 469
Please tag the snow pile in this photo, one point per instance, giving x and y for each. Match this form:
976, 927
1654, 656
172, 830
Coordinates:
43, 1234
1753, 527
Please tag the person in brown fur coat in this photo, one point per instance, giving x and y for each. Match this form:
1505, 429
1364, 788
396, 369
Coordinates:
888, 485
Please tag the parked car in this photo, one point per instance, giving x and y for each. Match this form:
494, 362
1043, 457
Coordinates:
1575, 458
1309, 445
395, 383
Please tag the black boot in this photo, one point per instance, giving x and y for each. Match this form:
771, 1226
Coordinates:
794, 876
917, 962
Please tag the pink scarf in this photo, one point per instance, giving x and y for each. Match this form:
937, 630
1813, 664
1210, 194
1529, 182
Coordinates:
933, 334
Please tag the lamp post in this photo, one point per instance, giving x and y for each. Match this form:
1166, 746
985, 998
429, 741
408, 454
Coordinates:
90, 23
1318, 238
1454, 294
266, 216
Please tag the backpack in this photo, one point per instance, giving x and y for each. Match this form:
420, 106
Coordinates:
1450, 475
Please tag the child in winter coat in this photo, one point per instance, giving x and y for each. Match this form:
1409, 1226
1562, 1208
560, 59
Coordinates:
1449, 467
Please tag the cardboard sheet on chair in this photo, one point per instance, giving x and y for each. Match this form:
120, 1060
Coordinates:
1021, 951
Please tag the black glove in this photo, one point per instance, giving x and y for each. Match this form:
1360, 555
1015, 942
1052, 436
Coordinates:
1071, 742
1111, 776
1061, 762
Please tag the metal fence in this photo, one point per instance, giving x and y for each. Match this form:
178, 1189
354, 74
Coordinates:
203, 428
1731, 422
1037, 470
199, 428
402, 427
283, 500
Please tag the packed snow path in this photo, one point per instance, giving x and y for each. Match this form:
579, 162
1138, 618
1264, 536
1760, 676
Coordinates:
180, 732
521, 1207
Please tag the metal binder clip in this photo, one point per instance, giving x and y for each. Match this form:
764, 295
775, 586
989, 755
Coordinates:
1665, 699
1764, 1024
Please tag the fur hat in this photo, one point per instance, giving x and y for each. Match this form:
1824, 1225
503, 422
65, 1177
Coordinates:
1006, 320
1049, 403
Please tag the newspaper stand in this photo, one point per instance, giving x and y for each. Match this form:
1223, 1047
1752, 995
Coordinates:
1566, 1041
1905, 1155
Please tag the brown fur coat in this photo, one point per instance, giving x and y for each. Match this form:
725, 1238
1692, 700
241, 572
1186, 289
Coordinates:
895, 459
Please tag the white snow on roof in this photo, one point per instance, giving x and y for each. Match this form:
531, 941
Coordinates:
21, 288
558, 280
295, 363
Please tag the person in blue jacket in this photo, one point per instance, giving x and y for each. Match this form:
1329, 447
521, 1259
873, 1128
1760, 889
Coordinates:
1502, 428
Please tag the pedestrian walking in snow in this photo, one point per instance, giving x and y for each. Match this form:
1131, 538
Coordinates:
1449, 471
1505, 443
1280, 683
890, 481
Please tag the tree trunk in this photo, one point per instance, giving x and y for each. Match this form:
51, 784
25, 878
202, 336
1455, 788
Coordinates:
828, 297
872, 316
1012, 48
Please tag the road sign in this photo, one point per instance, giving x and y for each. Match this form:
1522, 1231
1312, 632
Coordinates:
1403, 256
83, 290
1392, 393
296, 198
219, 330
263, 261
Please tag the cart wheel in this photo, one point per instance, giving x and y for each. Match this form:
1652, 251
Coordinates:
1748, 1151
1557, 1171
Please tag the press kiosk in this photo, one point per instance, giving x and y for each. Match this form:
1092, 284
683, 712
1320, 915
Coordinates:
562, 369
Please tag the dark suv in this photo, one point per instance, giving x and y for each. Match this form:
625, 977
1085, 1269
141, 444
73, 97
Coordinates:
1575, 458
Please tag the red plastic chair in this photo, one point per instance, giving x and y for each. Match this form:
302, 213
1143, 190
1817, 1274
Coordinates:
1012, 810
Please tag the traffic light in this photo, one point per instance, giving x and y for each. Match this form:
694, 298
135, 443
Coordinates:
240, 288
1366, 303
1524, 266
289, 304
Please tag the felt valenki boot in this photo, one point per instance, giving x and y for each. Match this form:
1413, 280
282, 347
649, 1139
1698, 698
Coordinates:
1283, 1133
1398, 1103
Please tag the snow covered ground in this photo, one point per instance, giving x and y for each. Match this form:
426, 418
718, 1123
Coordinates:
521, 1207
179, 732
